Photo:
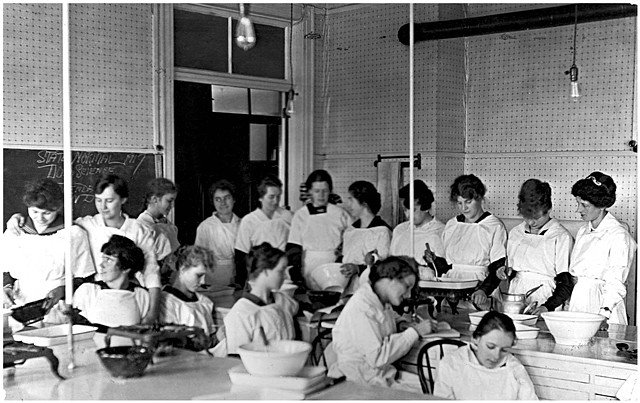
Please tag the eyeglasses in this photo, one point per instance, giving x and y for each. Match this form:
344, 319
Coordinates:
595, 181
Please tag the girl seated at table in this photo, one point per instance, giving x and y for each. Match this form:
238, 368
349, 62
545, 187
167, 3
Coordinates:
116, 299
262, 306
180, 302
484, 369
369, 337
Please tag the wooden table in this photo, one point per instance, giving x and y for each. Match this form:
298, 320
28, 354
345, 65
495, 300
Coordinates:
183, 376
590, 372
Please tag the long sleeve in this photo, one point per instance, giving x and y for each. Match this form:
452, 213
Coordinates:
378, 350
241, 268
526, 390
617, 270
563, 247
564, 287
492, 281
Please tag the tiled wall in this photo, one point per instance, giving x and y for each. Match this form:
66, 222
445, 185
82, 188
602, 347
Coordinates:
111, 75
493, 105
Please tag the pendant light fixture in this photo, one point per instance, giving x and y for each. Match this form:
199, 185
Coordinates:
573, 70
291, 94
245, 34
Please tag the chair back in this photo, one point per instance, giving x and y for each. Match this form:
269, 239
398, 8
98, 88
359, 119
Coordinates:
423, 360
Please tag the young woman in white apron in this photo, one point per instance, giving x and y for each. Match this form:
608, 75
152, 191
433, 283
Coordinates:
603, 252
269, 223
33, 255
538, 250
218, 233
316, 230
115, 300
369, 232
262, 307
426, 229
180, 303
475, 241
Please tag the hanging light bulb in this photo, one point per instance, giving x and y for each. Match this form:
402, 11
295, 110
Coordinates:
573, 70
245, 34
573, 74
288, 110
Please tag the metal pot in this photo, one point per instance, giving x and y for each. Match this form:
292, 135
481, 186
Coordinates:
515, 303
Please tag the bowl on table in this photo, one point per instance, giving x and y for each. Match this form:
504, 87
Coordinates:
279, 358
324, 298
524, 332
524, 319
329, 277
476, 317
572, 328
125, 361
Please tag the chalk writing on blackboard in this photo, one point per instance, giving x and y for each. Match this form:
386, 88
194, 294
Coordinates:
22, 165
87, 163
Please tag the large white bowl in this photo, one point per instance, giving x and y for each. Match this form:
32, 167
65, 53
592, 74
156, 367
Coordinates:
328, 277
279, 358
572, 328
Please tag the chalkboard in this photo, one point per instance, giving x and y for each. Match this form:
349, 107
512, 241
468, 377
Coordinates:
22, 165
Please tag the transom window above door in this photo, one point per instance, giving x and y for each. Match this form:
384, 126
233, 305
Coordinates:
205, 41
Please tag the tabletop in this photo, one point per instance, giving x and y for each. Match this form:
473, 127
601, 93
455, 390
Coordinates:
182, 376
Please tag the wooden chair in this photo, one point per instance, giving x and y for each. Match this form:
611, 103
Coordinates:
423, 355
318, 345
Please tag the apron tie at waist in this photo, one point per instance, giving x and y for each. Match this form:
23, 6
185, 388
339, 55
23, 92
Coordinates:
223, 261
533, 275
470, 268
590, 280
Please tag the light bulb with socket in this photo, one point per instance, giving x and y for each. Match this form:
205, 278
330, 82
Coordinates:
245, 33
288, 110
573, 75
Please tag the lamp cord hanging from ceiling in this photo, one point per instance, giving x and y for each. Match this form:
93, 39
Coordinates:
291, 94
573, 70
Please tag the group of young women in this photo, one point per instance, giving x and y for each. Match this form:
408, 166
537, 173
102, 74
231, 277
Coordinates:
121, 263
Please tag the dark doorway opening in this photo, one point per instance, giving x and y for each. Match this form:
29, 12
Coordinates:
210, 146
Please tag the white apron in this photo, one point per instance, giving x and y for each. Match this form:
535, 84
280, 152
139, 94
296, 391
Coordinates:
219, 238
600, 259
587, 296
526, 256
188, 313
115, 308
256, 228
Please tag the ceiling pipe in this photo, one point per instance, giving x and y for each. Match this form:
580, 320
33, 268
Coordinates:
516, 21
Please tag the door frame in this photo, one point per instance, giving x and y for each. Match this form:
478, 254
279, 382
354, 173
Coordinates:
296, 153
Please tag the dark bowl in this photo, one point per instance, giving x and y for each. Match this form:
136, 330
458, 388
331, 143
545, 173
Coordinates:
29, 313
125, 361
325, 298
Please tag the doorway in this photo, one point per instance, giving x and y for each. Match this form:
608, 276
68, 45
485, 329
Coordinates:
210, 145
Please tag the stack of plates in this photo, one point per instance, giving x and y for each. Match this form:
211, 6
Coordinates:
307, 381
524, 332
